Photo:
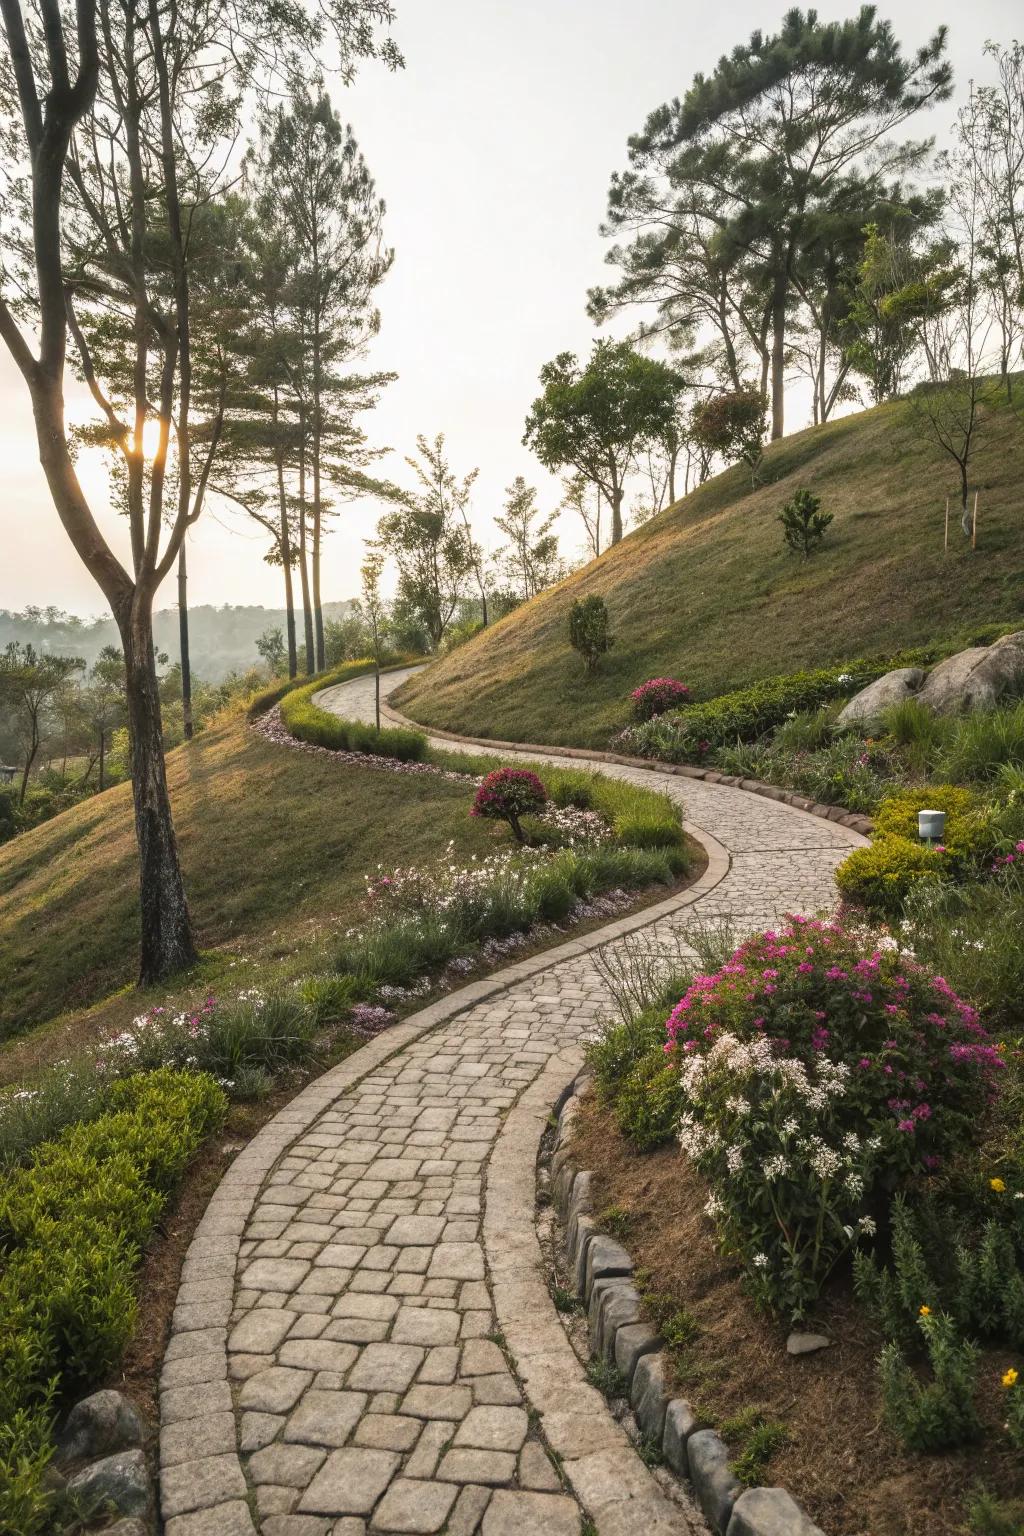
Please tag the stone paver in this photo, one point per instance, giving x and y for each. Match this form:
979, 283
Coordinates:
345, 1263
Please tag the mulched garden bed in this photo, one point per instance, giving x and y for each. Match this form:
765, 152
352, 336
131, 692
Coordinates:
841, 1462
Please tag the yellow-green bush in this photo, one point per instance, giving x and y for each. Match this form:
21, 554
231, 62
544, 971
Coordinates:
966, 834
72, 1225
881, 876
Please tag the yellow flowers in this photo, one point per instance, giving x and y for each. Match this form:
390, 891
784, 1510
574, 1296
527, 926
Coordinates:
924, 1311
997, 1185
1010, 1377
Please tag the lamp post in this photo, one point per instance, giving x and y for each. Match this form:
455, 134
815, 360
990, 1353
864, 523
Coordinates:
931, 826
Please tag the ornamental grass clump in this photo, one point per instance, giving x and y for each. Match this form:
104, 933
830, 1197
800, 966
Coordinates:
820, 1072
508, 794
657, 696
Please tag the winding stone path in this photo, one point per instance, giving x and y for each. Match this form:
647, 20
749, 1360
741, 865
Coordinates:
363, 1340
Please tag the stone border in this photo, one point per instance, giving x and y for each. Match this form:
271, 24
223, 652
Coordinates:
838, 813
194, 1377
601, 1464
604, 1280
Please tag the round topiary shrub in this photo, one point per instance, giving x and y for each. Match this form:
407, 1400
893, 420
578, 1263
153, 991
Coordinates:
508, 794
657, 696
820, 1072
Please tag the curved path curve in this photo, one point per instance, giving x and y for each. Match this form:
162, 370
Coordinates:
363, 1339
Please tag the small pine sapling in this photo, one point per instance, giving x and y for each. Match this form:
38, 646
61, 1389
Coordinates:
803, 525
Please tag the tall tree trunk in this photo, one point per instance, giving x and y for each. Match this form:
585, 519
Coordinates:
778, 357
285, 540
307, 611
616, 512
318, 611
186, 659
103, 743
30, 757
965, 502
167, 944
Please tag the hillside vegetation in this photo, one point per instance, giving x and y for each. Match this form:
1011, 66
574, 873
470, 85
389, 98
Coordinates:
276, 846
707, 591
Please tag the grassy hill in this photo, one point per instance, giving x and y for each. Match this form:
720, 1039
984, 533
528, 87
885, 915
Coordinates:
275, 845
707, 592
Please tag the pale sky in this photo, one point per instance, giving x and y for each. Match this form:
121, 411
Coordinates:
493, 150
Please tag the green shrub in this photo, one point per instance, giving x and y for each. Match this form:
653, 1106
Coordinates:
72, 1225
971, 934
590, 630
918, 731
328, 998
26, 1450
649, 1101
938, 1414
882, 876
966, 836
982, 743
803, 524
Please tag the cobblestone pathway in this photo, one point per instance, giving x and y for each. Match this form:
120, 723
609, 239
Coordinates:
362, 1341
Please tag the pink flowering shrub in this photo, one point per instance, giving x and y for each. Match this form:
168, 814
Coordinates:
820, 1072
508, 794
657, 696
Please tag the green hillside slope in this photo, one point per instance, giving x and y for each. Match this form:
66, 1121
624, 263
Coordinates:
708, 593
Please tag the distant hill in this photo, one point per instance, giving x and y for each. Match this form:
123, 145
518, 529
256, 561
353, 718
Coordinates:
222, 640
707, 592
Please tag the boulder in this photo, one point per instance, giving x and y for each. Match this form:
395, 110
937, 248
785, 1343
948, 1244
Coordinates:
120, 1483
806, 1343
866, 707
99, 1425
977, 678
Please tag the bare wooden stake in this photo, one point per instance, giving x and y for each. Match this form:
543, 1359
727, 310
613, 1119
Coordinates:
945, 536
974, 524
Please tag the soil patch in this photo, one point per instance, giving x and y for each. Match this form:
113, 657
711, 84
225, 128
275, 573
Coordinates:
841, 1462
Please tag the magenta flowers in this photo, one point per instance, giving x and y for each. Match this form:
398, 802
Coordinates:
657, 696
508, 794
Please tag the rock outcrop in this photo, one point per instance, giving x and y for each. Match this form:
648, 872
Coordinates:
866, 707
977, 678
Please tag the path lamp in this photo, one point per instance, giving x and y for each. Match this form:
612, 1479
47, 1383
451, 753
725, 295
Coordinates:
931, 826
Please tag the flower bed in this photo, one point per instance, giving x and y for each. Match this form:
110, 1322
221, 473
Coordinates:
853, 1155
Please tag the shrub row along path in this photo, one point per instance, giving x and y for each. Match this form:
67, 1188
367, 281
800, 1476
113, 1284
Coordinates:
363, 1339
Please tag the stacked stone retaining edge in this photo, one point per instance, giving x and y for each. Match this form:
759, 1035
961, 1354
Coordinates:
620, 1336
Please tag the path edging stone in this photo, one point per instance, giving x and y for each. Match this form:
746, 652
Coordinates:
606, 1286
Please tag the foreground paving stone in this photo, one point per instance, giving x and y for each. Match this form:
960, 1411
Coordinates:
531, 1514
415, 1507
350, 1482
372, 1276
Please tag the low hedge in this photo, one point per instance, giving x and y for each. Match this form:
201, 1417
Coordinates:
307, 722
748, 713
261, 702
881, 876
73, 1223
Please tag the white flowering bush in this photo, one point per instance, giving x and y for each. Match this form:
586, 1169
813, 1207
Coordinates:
820, 1072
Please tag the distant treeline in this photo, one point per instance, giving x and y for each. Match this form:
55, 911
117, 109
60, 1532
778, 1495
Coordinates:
222, 640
